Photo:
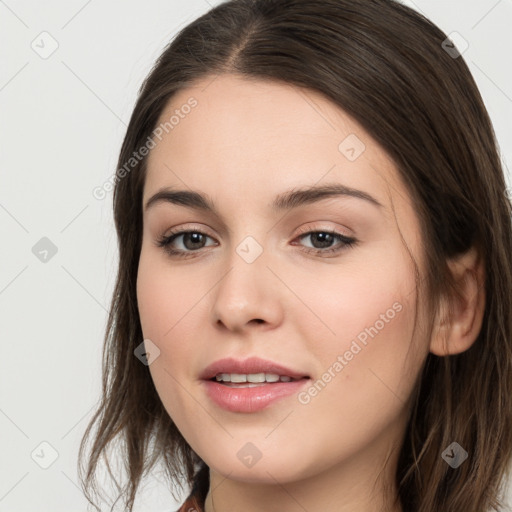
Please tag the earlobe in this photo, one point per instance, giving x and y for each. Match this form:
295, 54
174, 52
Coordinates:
460, 314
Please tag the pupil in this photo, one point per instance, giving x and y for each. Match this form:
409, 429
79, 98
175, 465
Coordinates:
195, 237
325, 238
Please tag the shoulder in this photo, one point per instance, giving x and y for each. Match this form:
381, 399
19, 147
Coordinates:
196, 499
191, 505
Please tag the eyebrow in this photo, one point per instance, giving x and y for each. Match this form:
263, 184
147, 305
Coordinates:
284, 201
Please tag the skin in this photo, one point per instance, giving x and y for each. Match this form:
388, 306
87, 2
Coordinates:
245, 142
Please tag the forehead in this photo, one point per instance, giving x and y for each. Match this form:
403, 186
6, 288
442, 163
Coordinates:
249, 138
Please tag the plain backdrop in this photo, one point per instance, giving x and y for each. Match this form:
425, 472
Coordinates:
69, 76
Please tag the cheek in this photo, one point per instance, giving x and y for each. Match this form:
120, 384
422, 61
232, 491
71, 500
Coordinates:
170, 310
165, 296
364, 332
377, 295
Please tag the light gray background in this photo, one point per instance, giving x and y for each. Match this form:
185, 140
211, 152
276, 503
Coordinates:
62, 122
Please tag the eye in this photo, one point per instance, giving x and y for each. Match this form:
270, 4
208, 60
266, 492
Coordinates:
191, 240
322, 242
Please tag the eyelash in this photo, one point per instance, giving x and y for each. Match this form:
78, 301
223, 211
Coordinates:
165, 243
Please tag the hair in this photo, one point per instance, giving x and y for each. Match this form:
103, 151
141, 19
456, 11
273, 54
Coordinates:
384, 65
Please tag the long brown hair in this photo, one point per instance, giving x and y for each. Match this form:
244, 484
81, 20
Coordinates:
387, 67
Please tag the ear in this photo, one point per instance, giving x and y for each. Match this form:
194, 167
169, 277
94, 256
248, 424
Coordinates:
459, 316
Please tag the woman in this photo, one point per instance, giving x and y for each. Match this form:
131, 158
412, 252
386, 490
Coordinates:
313, 304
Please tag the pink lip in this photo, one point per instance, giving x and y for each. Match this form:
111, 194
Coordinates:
250, 399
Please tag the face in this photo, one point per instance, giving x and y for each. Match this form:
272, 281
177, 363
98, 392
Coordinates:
320, 286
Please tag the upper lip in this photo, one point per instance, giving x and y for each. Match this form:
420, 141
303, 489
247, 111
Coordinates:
246, 366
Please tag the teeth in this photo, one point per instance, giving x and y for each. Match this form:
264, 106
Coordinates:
252, 377
256, 377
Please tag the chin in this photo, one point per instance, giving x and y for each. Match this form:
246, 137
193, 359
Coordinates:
280, 466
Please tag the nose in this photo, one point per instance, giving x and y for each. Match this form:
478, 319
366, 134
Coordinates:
248, 296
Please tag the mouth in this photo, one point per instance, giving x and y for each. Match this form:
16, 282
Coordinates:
250, 385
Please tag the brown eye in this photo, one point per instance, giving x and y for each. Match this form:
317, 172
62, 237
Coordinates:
322, 241
191, 241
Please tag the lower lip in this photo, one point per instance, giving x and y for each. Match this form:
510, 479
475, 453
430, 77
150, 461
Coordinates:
251, 399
